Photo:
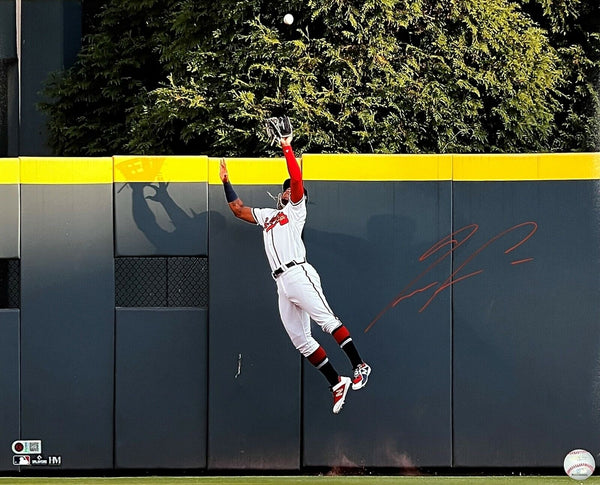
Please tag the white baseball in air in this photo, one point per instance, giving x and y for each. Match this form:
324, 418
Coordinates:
288, 19
579, 464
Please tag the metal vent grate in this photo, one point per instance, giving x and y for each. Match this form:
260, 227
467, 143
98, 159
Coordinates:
10, 283
161, 282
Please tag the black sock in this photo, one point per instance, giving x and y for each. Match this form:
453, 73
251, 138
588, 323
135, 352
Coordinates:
330, 373
344, 340
319, 359
352, 354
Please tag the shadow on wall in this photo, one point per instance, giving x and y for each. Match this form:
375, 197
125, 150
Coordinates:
148, 199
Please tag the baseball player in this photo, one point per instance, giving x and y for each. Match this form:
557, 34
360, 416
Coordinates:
298, 284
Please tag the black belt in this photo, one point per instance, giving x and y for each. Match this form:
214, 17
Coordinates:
281, 269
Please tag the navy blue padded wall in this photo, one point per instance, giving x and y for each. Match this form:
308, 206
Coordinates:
161, 221
9, 219
9, 383
254, 370
67, 322
160, 388
9, 304
526, 333
365, 239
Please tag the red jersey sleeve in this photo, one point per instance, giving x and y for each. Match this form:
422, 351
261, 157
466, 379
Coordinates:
295, 174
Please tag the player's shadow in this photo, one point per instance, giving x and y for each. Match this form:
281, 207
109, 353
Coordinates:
187, 229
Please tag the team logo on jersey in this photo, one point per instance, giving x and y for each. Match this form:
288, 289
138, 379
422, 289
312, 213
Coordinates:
279, 218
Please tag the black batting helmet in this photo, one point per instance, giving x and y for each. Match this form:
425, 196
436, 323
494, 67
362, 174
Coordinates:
286, 185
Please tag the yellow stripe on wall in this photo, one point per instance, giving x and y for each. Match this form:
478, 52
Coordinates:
250, 171
160, 168
534, 166
48, 170
368, 167
9, 170
340, 167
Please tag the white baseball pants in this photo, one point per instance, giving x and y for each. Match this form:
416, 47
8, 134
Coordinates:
300, 299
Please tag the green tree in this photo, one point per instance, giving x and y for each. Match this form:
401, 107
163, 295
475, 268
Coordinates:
401, 76
573, 28
119, 63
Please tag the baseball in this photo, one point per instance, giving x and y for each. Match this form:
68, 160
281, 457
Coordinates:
288, 19
579, 464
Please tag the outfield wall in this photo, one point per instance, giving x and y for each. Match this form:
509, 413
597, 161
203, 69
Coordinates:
140, 324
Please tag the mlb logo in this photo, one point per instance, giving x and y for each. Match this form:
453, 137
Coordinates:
22, 460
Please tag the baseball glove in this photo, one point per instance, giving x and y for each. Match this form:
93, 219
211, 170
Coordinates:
278, 129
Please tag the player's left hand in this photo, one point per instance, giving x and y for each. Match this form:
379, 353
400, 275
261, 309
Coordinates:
223, 174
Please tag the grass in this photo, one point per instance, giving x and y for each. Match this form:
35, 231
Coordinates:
300, 480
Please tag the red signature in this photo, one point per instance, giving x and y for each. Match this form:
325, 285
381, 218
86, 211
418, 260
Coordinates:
444, 248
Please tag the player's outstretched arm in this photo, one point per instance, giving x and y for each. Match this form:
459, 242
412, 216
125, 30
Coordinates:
235, 203
294, 171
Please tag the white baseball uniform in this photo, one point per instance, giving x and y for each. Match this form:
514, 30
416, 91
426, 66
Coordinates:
298, 283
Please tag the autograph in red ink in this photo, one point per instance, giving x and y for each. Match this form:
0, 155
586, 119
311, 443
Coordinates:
444, 248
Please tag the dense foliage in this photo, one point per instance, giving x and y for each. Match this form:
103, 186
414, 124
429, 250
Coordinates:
573, 28
401, 76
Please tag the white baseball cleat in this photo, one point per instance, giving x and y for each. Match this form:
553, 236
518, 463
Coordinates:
339, 393
361, 376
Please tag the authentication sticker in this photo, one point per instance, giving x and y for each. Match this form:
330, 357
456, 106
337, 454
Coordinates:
27, 447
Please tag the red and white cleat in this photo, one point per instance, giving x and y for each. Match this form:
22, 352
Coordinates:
339, 393
361, 376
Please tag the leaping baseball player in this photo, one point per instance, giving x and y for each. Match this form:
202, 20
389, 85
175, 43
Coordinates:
298, 283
